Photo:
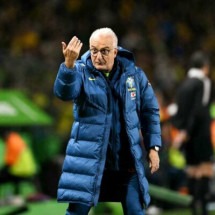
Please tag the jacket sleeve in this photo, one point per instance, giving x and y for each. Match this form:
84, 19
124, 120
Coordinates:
67, 85
149, 113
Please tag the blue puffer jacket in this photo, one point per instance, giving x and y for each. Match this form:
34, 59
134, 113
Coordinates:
86, 151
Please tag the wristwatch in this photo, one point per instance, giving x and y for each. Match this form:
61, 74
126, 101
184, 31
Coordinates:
156, 148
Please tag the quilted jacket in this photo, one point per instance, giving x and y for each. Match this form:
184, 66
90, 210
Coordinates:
90, 93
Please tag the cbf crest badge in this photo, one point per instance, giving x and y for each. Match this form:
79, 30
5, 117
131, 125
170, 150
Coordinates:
131, 87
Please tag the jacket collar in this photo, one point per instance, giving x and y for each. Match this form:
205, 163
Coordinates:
199, 74
196, 73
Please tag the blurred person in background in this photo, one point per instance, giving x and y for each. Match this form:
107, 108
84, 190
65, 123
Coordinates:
114, 105
193, 120
19, 163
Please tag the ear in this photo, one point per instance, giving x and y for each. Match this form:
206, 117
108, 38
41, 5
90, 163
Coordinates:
115, 52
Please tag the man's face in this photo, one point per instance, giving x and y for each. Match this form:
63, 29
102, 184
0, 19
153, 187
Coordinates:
103, 52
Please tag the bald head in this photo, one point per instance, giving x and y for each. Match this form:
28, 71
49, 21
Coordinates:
105, 32
103, 49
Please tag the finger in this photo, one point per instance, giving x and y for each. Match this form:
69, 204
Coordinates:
77, 43
154, 169
73, 42
154, 166
76, 46
79, 46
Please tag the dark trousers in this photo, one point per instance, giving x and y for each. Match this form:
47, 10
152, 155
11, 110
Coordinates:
199, 188
6, 176
116, 187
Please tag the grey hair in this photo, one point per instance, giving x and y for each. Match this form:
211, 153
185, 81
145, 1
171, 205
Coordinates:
106, 31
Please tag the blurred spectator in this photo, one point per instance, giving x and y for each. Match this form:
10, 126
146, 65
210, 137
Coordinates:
19, 163
193, 120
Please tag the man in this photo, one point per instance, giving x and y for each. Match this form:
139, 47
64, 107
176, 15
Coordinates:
113, 104
193, 123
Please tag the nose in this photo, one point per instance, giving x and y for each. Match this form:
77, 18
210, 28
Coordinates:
99, 55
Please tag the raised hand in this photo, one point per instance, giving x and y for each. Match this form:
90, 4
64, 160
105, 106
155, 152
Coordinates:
71, 51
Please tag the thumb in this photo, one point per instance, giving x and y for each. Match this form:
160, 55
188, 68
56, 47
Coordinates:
63, 46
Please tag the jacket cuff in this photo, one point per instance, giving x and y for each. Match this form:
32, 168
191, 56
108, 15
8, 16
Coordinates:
66, 74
